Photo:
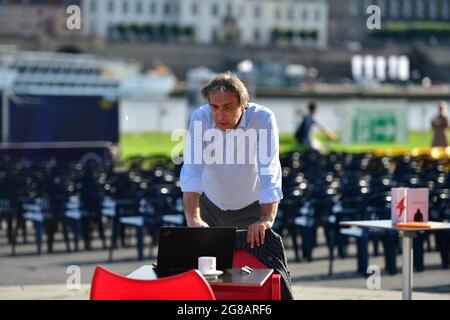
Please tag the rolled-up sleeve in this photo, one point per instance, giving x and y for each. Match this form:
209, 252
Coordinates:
191, 172
269, 167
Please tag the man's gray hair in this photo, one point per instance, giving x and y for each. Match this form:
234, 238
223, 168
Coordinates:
227, 82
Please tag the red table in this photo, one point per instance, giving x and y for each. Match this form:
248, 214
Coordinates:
231, 285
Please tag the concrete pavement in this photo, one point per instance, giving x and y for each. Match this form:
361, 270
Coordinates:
60, 292
29, 276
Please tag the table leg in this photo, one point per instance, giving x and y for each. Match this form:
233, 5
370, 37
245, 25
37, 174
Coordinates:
407, 267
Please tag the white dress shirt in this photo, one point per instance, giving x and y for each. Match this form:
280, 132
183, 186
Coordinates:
233, 175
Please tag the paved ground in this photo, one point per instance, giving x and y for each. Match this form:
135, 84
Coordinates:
28, 276
60, 292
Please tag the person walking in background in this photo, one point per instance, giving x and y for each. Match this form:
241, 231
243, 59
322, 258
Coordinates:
304, 134
439, 125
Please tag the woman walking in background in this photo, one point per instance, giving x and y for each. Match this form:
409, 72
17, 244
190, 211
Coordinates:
440, 126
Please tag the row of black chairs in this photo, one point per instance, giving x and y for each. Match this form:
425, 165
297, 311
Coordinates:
323, 190
79, 198
319, 191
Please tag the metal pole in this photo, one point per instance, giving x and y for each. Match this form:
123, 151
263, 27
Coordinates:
5, 117
407, 265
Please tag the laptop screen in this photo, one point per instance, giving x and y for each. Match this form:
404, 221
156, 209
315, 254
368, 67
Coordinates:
180, 247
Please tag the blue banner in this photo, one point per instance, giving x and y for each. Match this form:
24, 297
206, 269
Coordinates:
63, 119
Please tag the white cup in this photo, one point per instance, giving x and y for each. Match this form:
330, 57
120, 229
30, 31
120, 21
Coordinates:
207, 264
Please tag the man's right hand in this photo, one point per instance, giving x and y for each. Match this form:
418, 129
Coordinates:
196, 222
192, 210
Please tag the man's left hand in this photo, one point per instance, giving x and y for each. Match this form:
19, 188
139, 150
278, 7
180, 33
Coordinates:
256, 233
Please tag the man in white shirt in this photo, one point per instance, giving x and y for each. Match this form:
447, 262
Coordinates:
231, 174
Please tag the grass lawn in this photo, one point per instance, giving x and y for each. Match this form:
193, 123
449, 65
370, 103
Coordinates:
416, 139
146, 143
151, 143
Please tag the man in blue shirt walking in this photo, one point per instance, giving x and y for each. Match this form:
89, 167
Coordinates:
304, 134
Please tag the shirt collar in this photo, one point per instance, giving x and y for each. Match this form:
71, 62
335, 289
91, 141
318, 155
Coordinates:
242, 124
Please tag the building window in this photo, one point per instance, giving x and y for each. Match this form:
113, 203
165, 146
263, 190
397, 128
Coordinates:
167, 9
229, 9
194, 8
125, 7
353, 8
215, 9
153, 8
139, 7
367, 3
432, 9
242, 10
407, 9
420, 8
111, 6
277, 14
93, 6
290, 14
305, 14
382, 5
445, 9
257, 11
318, 14
394, 8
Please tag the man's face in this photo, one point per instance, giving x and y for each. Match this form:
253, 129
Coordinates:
225, 109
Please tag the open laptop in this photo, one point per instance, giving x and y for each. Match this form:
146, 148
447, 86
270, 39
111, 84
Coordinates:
180, 247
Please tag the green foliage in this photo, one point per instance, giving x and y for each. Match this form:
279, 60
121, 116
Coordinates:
415, 30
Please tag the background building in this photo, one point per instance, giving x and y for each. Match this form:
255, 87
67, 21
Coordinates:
22, 18
246, 22
402, 20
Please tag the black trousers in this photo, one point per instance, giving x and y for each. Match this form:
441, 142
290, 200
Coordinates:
216, 217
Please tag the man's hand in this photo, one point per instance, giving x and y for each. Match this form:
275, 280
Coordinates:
257, 231
192, 210
196, 222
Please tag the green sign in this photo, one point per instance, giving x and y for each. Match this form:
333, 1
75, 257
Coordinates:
375, 123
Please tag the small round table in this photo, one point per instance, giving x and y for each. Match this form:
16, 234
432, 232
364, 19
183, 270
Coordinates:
407, 235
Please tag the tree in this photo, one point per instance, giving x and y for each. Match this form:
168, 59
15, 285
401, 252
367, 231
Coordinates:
123, 31
136, 30
303, 34
189, 32
277, 34
175, 31
163, 31
289, 34
149, 31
